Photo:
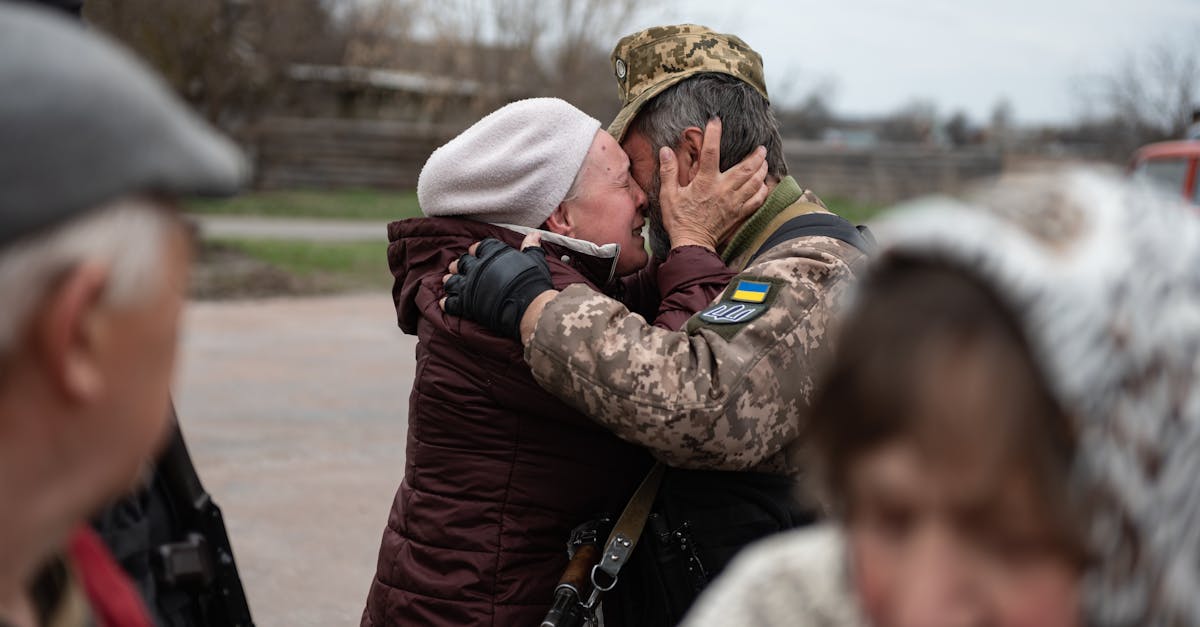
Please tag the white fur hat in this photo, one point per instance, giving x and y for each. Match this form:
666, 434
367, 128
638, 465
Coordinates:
512, 167
1103, 275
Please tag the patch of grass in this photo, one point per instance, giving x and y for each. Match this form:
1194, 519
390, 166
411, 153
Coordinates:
855, 212
348, 204
387, 205
326, 266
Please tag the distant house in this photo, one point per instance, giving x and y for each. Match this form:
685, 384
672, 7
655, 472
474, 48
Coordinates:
432, 82
357, 126
324, 91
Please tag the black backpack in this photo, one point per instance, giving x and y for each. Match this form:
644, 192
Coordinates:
826, 224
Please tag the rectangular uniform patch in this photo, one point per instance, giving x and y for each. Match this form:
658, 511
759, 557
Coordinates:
750, 291
743, 301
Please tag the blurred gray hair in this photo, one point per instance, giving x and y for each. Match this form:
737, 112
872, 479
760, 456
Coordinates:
128, 235
747, 120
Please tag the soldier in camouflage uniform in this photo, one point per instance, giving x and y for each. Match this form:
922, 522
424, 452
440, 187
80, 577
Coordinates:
730, 391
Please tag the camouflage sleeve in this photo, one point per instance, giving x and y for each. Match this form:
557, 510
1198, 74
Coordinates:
717, 396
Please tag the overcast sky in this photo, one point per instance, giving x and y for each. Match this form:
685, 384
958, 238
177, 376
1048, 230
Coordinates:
960, 54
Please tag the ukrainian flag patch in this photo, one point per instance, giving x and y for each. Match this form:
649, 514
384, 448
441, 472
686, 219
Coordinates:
742, 301
750, 291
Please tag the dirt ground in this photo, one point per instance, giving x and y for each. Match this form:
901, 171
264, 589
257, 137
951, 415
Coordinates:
295, 411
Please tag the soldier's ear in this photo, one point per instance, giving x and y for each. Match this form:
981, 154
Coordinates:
688, 152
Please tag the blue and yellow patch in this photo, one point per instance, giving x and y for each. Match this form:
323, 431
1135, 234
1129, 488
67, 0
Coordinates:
743, 301
750, 291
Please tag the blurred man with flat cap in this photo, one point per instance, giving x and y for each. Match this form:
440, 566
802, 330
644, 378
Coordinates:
723, 401
93, 269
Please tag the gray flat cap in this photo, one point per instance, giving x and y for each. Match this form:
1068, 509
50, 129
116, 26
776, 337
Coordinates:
82, 123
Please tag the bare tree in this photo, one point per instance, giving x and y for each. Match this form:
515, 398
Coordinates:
959, 130
580, 68
914, 122
539, 47
1000, 125
1148, 96
1157, 88
223, 56
809, 119
230, 58
378, 33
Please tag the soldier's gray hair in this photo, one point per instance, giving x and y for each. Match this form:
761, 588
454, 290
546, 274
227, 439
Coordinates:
747, 120
128, 235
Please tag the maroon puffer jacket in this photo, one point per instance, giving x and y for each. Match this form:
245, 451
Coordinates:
498, 471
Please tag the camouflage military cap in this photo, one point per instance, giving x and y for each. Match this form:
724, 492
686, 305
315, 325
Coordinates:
648, 62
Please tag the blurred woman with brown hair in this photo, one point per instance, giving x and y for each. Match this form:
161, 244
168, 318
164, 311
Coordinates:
1010, 429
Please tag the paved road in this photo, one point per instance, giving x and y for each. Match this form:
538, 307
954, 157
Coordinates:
318, 230
295, 412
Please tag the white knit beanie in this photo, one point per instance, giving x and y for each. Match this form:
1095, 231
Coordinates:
512, 167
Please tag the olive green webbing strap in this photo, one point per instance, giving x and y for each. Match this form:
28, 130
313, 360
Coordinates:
625, 535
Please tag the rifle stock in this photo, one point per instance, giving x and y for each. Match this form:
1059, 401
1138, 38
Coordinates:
203, 562
567, 610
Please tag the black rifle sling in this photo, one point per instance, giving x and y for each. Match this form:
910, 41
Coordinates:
823, 224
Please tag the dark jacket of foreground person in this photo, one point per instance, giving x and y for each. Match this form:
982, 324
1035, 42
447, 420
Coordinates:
497, 471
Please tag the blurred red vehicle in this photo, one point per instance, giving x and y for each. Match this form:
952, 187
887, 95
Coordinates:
1172, 165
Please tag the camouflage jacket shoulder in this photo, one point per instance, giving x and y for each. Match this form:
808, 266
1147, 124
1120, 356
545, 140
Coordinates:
731, 392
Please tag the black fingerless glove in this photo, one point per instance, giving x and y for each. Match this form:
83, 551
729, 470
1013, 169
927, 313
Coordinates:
495, 285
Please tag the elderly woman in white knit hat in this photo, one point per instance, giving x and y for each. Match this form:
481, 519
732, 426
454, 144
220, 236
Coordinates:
497, 471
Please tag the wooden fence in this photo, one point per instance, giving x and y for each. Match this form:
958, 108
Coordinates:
325, 153
887, 173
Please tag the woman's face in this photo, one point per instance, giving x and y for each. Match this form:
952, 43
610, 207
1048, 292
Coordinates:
946, 542
609, 206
